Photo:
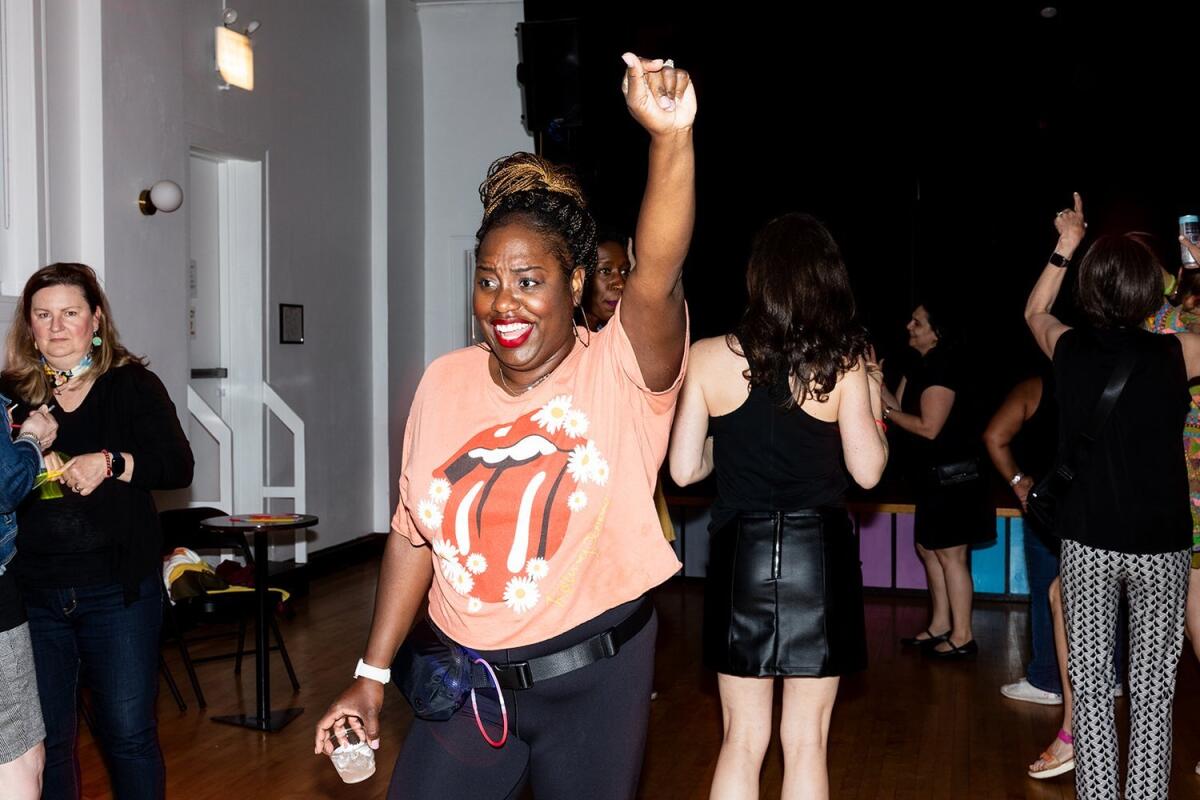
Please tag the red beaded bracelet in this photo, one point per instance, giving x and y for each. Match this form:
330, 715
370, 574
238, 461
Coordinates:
107, 463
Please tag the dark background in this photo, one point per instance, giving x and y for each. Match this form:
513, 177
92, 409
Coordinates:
936, 141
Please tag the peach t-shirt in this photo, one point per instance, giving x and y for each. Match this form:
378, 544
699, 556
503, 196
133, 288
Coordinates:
539, 508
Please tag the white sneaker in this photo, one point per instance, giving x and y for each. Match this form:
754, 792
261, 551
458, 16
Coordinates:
1026, 692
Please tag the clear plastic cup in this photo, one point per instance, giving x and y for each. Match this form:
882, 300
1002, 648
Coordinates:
354, 761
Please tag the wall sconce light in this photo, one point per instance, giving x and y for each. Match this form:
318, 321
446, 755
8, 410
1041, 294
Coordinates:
234, 52
165, 196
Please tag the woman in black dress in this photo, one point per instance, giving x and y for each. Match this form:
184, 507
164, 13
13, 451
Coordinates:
952, 512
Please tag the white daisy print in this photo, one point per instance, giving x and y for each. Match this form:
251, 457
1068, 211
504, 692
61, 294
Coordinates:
582, 461
554, 414
444, 549
474, 605
577, 501
599, 472
537, 568
439, 491
476, 563
461, 581
429, 514
451, 569
575, 423
521, 594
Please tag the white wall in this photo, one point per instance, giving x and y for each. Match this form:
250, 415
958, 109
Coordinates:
307, 118
76, 170
145, 258
472, 117
407, 218
142, 75
309, 115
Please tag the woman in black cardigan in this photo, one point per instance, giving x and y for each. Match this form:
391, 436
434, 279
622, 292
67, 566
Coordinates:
89, 560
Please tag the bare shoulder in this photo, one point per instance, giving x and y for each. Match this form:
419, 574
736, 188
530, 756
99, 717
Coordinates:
714, 354
1190, 344
719, 369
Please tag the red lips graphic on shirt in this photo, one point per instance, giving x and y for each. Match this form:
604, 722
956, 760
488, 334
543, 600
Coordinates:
508, 498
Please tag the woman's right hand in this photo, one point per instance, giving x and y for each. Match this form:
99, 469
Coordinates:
1194, 249
358, 707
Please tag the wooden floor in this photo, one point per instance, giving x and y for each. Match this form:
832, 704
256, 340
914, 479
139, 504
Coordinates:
904, 729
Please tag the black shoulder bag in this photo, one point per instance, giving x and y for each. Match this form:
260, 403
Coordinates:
1049, 492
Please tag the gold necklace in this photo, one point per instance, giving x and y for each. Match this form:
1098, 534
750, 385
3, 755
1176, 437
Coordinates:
513, 392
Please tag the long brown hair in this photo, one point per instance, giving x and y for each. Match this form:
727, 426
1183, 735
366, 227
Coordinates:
24, 368
800, 319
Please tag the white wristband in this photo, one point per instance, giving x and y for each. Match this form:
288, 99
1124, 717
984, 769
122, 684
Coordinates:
365, 670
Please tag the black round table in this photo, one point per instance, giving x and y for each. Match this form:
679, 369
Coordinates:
262, 526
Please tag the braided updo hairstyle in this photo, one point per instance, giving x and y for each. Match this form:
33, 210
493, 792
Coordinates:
547, 197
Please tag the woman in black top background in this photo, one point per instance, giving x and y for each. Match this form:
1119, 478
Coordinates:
782, 410
604, 288
89, 562
1125, 523
933, 405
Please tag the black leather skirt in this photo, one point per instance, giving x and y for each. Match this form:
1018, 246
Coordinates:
783, 595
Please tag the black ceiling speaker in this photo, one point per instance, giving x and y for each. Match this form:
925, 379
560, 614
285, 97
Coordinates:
549, 75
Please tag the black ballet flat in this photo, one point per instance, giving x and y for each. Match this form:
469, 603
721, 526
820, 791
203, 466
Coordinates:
914, 641
960, 653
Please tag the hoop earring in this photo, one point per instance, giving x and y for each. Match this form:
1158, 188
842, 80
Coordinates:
575, 328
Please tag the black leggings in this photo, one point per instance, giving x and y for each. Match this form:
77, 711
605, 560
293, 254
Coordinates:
579, 736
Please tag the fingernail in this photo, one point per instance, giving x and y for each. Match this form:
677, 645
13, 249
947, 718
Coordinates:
629, 59
373, 744
666, 103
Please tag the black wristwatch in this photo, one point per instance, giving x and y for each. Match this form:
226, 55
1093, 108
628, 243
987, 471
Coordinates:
1059, 260
118, 464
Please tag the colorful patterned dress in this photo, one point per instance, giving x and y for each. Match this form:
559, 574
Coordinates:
1173, 319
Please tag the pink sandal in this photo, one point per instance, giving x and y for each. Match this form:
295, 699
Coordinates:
1054, 766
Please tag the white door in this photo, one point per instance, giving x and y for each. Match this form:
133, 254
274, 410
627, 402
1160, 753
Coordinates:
225, 330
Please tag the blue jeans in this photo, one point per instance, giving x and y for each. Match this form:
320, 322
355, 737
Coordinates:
1041, 565
89, 633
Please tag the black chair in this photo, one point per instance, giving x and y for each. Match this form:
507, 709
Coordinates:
181, 528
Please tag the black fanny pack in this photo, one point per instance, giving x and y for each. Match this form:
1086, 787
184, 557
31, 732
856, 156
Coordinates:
433, 672
436, 674
956, 473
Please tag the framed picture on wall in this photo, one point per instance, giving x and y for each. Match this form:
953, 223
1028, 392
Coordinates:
291, 324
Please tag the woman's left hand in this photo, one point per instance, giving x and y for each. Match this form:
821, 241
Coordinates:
874, 372
82, 474
1070, 226
660, 97
889, 398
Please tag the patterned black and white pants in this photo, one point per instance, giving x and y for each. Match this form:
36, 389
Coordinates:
1156, 586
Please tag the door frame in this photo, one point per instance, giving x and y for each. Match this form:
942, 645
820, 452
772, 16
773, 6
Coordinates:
241, 216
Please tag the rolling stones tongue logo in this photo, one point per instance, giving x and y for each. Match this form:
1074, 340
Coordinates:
499, 507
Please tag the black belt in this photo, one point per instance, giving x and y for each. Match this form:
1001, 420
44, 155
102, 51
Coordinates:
525, 674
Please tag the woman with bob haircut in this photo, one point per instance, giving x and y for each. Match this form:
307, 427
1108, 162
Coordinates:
1125, 522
